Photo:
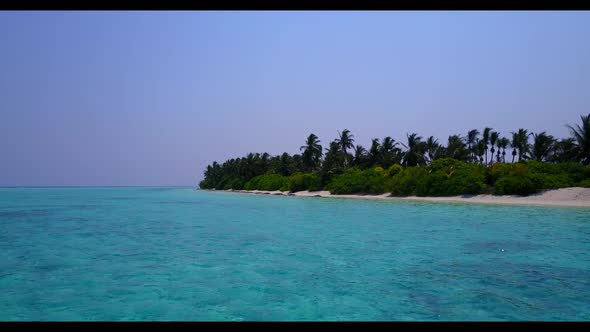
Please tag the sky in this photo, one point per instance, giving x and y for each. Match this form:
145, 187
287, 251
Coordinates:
150, 98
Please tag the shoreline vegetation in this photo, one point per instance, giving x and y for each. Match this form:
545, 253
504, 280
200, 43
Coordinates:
474, 166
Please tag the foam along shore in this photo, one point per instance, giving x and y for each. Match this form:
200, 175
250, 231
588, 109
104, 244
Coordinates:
569, 197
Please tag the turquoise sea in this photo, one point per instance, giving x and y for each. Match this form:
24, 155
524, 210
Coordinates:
142, 253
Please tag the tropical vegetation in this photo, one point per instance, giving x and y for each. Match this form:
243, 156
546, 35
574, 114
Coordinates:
465, 165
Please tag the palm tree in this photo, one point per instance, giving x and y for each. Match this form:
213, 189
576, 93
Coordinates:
263, 162
542, 146
456, 148
566, 150
486, 140
431, 147
582, 137
522, 143
213, 172
440, 152
493, 139
334, 158
312, 153
503, 143
514, 144
389, 152
472, 140
374, 152
296, 163
345, 141
479, 149
249, 165
499, 152
414, 155
285, 164
360, 155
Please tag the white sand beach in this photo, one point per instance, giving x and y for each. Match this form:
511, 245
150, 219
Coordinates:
567, 197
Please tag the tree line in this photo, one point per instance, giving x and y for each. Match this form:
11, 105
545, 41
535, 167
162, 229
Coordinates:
321, 166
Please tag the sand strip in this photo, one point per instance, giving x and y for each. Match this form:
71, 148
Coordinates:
567, 197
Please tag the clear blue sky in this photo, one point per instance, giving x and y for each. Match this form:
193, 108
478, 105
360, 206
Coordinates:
151, 98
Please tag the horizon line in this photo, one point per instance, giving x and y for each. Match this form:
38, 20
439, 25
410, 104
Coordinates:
101, 186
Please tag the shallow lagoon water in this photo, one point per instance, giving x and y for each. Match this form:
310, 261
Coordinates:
142, 253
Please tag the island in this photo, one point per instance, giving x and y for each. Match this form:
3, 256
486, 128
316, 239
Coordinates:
473, 168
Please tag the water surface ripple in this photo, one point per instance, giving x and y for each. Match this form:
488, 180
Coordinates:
180, 254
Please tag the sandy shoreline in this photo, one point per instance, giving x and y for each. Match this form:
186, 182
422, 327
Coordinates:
565, 197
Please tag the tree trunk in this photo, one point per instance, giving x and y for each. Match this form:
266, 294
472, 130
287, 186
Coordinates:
345, 157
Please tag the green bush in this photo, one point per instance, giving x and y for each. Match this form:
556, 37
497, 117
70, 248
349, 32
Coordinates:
377, 182
316, 185
470, 179
326, 176
551, 176
442, 164
236, 184
268, 182
221, 184
252, 184
551, 181
358, 181
430, 183
576, 171
351, 181
452, 177
205, 184
586, 180
519, 169
444, 177
302, 181
404, 183
516, 185
536, 167
465, 181
394, 169
530, 176
379, 170
499, 170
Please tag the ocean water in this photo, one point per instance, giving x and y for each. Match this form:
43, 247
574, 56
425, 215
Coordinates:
182, 254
